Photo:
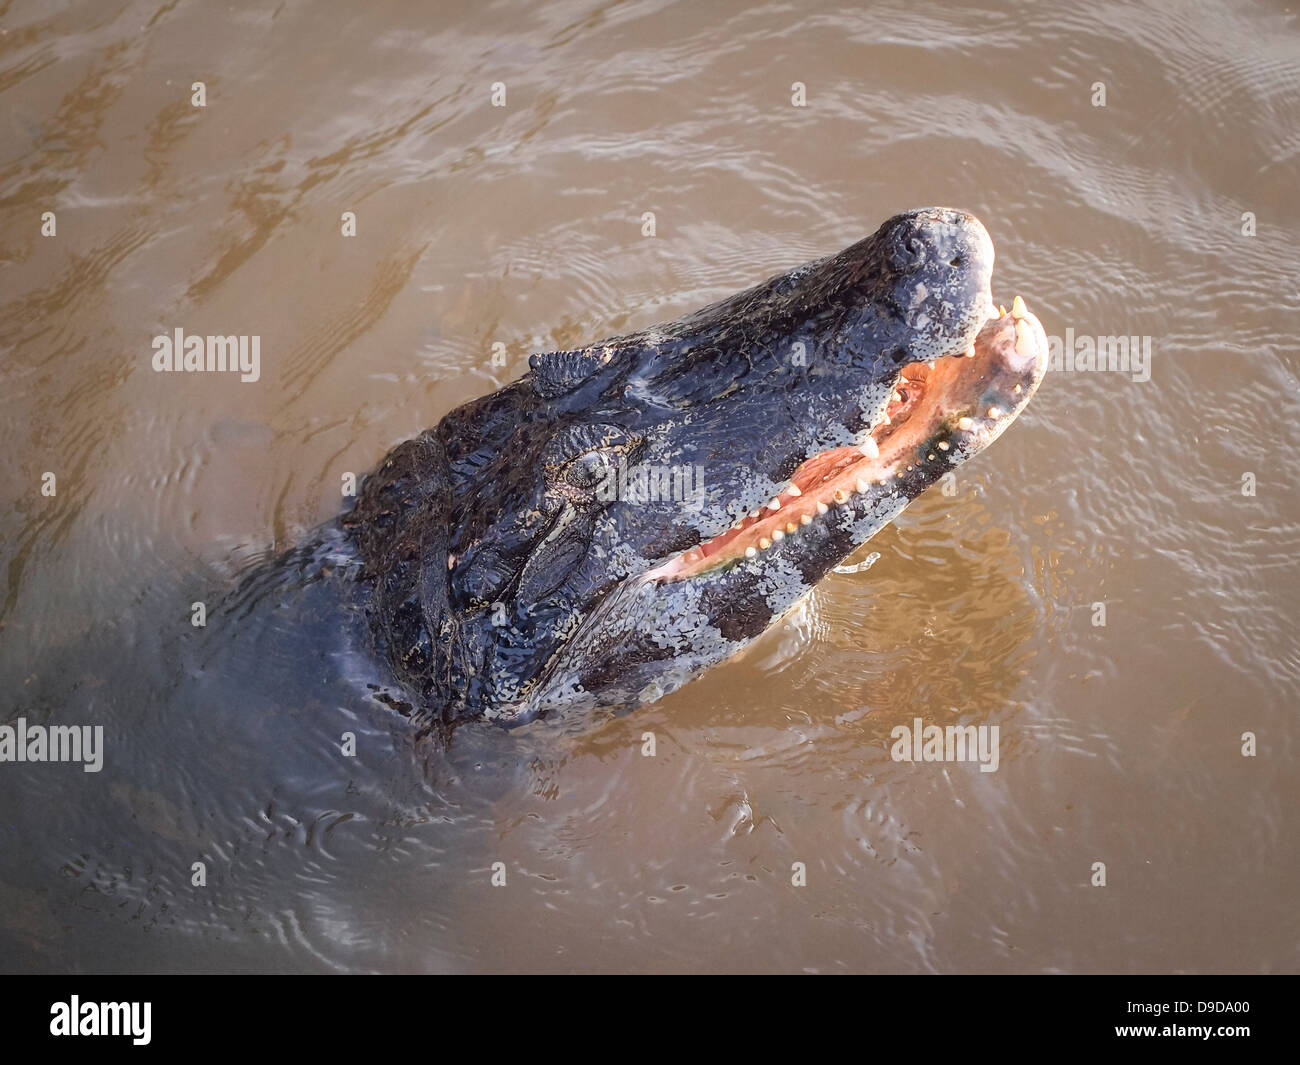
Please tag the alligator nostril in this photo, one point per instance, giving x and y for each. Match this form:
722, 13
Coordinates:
957, 261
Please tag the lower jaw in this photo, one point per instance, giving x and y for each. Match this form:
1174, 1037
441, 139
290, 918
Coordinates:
900, 459
938, 420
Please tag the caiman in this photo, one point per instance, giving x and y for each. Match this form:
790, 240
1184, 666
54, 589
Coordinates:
625, 516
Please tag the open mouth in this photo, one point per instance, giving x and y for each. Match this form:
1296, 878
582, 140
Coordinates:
940, 413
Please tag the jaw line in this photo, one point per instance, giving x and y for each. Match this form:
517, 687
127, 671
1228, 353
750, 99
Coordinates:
881, 463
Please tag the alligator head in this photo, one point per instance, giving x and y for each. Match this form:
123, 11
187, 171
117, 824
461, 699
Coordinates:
627, 515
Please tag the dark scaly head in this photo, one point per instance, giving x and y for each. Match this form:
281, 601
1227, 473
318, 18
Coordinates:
630, 514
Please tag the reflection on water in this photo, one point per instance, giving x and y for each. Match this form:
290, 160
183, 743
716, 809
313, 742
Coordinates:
521, 227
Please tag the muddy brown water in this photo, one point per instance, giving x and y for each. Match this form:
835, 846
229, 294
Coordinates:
1164, 492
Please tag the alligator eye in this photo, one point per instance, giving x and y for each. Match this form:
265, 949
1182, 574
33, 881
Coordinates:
586, 470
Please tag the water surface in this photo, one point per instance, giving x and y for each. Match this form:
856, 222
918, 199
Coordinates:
522, 226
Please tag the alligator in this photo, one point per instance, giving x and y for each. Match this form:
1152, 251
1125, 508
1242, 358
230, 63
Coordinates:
538, 551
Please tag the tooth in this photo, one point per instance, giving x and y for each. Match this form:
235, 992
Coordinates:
764, 543
1002, 312
750, 552
884, 420
753, 513
775, 504
792, 527
841, 496
970, 352
740, 524
1016, 390
451, 561
863, 484
778, 535
794, 490
994, 413
1018, 308
943, 445
965, 424
897, 397
822, 508
870, 448
930, 457
1023, 339
805, 519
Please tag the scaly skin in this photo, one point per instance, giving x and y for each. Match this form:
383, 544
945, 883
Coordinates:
507, 582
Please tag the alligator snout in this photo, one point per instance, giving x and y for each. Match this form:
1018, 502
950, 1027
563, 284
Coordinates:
940, 236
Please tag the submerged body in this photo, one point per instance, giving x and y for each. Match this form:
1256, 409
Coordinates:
513, 571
